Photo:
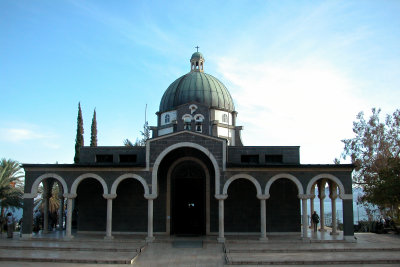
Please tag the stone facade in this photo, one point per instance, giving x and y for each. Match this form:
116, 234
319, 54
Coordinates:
190, 181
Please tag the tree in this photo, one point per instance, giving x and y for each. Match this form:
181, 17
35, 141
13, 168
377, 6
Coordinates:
142, 141
375, 151
93, 135
10, 185
79, 134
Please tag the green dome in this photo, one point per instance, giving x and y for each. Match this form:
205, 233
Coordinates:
196, 55
197, 87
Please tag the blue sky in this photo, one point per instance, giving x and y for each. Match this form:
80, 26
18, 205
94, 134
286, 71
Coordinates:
299, 71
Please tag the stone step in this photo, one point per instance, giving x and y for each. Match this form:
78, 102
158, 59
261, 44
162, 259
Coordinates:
73, 246
70, 248
96, 257
311, 258
294, 250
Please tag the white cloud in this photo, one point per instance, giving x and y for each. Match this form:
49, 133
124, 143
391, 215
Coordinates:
308, 103
19, 134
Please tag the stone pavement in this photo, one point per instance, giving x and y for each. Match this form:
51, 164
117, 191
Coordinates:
370, 249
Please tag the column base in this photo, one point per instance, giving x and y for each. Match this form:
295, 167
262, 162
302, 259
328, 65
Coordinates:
305, 239
263, 239
108, 237
68, 237
26, 236
334, 233
221, 239
150, 239
322, 230
350, 238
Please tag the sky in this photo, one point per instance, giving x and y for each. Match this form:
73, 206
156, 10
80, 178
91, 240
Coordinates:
298, 71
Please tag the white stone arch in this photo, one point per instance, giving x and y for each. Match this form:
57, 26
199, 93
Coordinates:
292, 178
326, 176
179, 145
127, 176
35, 185
88, 175
242, 176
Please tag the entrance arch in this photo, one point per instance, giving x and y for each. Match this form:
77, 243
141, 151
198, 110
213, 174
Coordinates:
188, 199
186, 175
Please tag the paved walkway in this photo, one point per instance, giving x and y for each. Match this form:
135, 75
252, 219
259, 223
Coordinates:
164, 252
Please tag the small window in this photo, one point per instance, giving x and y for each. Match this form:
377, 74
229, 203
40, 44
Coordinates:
250, 159
273, 158
199, 127
188, 126
127, 158
187, 123
225, 118
104, 158
166, 119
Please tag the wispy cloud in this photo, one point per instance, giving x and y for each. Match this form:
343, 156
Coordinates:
19, 134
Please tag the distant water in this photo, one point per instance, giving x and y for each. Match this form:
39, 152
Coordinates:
359, 212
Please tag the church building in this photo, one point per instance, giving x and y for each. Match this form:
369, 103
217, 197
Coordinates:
193, 177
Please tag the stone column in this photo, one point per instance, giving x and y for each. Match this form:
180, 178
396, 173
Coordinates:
150, 238
46, 197
333, 195
109, 198
68, 232
312, 206
305, 217
60, 210
321, 196
27, 216
348, 224
221, 234
263, 222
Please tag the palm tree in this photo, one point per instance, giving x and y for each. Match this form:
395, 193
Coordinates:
11, 184
54, 200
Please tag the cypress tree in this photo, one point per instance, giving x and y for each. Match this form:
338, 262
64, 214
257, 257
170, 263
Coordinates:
93, 135
79, 134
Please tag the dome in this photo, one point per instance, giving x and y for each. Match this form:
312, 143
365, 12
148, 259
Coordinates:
197, 86
196, 55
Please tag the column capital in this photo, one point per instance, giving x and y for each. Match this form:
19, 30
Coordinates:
263, 197
346, 196
304, 196
321, 195
150, 196
66, 195
333, 196
109, 196
221, 197
28, 195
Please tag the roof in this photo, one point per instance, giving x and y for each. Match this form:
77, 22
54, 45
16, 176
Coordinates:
196, 55
197, 87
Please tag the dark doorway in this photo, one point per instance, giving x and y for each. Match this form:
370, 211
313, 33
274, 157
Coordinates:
283, 207
188, 199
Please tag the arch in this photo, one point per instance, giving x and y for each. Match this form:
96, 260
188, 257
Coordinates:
286, 176
126, 176
38, 180
242, 176
326, 176
88, 175
179, 145
168, 202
